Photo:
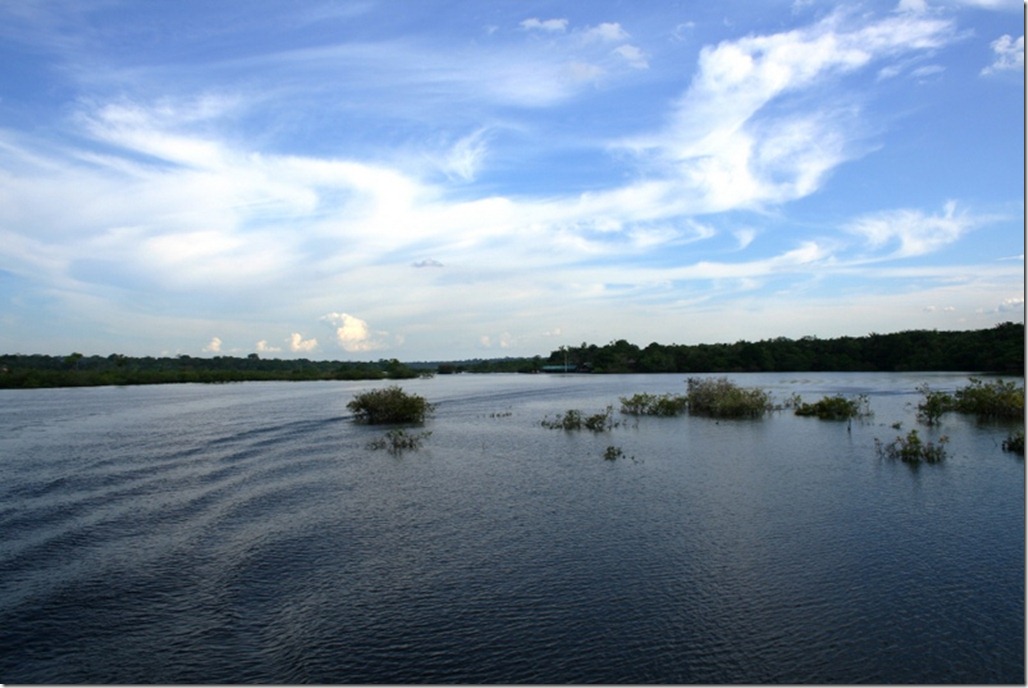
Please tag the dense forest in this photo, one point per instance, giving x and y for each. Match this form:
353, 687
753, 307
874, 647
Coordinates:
999, 349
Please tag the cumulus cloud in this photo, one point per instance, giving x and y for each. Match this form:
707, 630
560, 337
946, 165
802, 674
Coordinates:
504, 341
298, 344
1009, 54
607, 31
352, 333
264, 348
213, 346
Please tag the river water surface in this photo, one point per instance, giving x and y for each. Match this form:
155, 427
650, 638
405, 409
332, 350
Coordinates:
245, 533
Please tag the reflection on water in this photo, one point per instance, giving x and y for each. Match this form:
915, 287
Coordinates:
245, 533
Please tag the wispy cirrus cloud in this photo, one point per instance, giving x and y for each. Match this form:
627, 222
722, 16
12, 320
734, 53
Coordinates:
912, 232
729, 148
200, 209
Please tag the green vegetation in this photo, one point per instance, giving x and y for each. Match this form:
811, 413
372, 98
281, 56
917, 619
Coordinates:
990, 401
389, 405
836, 408
998, 349
912, 449
1014, 443
654, 405
996, 400
76, 370
399, 440
933, 405
721, 398
572, 419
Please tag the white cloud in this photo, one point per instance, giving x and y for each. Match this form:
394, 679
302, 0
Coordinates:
632, 55
1009, 54
550, 25
213, 346
352, 333
927, 71
607, 31
466, 156
1011, 5
264, 348
298, 344
1015, 303
915, 232
912, 6
731, 150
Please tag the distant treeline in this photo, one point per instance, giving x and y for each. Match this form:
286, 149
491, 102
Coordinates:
999, 349
76, 370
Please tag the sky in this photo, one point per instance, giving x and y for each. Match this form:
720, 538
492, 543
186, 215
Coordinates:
442, 180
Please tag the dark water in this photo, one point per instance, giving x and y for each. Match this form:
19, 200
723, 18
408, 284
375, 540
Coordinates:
244, 533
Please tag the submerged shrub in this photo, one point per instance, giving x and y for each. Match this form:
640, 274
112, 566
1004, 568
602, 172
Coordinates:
389, 405
912, 449
988, 401
574, 420
1015, 443
653, 405
836, 408
399, 440
721, 398
996, 400
613, 453
933, 405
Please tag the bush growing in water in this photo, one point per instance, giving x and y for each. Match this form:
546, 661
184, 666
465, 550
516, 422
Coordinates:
987, 401
912, 449
836, 408
574, 420
934, 404
1015, 443
613, 453
389, 405
654, 405
721, 398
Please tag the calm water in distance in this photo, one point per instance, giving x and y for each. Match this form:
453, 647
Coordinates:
245, 533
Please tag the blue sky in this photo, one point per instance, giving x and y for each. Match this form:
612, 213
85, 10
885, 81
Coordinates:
430, 180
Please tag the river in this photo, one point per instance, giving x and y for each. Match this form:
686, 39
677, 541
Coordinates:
246, 533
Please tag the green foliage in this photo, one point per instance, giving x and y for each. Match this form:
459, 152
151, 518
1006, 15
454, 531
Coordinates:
934, 404
399, 440
990, 401
997, 349
836, 408
997, 400
912, 449
1014, 443
389, 405
653, 405
572, 419
721, 398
